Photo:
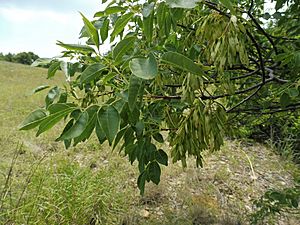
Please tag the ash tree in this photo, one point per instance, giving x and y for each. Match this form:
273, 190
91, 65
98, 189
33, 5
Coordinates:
177, 72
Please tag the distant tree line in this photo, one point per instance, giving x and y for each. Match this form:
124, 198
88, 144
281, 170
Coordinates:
23, 57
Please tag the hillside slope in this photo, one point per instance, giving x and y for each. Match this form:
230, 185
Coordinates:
102, 184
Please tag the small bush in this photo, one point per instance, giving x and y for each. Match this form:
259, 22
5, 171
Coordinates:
275, 202
280, 131
23, 57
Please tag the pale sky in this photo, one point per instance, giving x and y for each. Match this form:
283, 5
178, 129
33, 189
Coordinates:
36, 25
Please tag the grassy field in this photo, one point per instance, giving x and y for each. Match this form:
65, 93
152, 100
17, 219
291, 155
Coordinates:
42, 183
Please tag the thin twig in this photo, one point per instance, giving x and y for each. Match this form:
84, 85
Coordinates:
244, 100
213, 6
269, 110
9, 176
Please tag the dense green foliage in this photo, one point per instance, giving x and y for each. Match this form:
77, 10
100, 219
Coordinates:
186, 68
23, 57
183, 196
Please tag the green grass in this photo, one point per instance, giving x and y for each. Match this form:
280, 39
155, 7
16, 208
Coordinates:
90, 184
49, 185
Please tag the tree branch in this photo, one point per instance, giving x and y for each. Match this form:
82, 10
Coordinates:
272, 109
244, 100
213, 6
212, 97
185, 27
261, 61
264, 32
237, 92
164, 97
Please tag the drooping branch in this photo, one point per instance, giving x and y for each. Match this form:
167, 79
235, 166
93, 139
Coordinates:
245, 99
261, 61
263, 32
237, 92
211, 97
249, 12
214, 97
245, 75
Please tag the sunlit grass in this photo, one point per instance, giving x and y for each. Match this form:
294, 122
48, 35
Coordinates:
47, 184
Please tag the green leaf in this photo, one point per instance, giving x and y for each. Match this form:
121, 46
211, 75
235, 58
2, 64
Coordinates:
158, 137
177, 13
109, 11
285, 100
293, 92
108, 78
73, 68
131, 150
67, 127
77, 128
182, 62
145, 68
109, 120
149, 152
67, 142
154, 172
52, 95
40, 88
91, 72
53, 119
148, 9
139, 128
119, 136
133, 115
120, 24
133, 91
148, 27
141, 182
187, 4
63, 97
161, 14
279, 4
76, 114
161, 157
77, 48
92, 31
42, 62
227, 4
92, 112
122, 47
119, 104
65, 68
53, 108
33, 119
104, 30
266, 16
53, 68
294, 202
99, 132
